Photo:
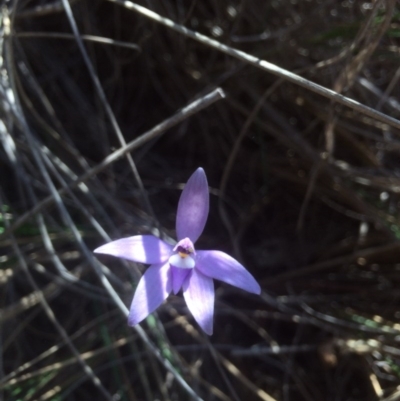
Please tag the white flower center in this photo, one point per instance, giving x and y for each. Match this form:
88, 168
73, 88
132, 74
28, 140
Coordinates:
184, 262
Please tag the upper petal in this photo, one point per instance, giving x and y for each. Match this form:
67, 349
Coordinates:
140, 248
198, 291
153, 288
221, 266
193, 207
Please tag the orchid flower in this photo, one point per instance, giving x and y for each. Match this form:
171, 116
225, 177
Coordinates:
181, 267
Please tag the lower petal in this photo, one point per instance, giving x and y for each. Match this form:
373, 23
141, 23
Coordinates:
198, 291
221, 266
153, 288
178, 277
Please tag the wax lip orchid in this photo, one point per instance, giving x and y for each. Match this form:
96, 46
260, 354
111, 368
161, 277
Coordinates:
181, 266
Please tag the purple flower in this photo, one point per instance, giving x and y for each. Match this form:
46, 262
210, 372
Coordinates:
181, 266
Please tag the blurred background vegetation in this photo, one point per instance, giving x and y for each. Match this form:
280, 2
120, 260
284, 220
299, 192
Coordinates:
304, 191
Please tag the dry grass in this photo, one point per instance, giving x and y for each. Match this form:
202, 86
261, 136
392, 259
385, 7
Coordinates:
302, 160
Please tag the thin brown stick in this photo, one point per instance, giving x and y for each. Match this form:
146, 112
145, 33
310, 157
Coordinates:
262, 64
159, 129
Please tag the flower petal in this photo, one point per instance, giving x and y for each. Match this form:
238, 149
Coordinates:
193, 207
178, 276
153, 288
221, 266
140, 248
198, 291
